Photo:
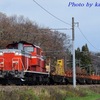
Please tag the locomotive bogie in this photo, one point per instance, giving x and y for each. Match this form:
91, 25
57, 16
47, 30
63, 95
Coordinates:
36, 78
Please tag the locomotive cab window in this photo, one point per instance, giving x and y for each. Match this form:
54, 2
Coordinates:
12, 47
29, 48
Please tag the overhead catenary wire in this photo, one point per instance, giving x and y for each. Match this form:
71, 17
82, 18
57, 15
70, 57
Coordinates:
51, 13
88, 40
64, 23
58, 29
61, 28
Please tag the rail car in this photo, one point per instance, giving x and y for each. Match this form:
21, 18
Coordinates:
23, 63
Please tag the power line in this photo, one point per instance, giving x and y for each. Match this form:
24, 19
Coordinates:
58, 29
88, 40
51, 13
61, 28
64, 23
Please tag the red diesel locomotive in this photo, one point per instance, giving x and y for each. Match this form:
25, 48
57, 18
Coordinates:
21, 62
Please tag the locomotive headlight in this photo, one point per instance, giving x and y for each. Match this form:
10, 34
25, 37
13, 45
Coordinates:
16, 53
1, 53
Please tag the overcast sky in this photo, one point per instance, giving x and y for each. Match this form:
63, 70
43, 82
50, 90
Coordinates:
88, 17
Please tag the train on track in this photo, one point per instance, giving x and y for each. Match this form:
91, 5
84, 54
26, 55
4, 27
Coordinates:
23, 63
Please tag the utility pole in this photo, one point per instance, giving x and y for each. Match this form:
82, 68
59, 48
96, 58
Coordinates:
73, 50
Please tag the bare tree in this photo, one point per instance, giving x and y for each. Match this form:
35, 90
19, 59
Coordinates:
17, 28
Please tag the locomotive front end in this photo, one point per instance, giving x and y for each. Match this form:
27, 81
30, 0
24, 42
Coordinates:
11, 65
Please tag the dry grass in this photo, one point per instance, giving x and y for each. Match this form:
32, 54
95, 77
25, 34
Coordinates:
46, 92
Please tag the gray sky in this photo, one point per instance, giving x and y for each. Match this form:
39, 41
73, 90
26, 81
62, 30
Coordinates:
88, 17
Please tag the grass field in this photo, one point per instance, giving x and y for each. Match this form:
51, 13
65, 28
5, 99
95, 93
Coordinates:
49, 93
96, 97
92, 96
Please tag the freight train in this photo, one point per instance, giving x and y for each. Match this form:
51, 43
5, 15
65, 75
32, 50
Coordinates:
24, 63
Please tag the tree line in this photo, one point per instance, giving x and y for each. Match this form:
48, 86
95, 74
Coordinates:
88, 60
18, 28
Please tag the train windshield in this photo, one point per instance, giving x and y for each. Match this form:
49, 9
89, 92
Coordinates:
11, 46
29, 48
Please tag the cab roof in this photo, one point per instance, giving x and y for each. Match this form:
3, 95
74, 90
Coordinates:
23, 42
